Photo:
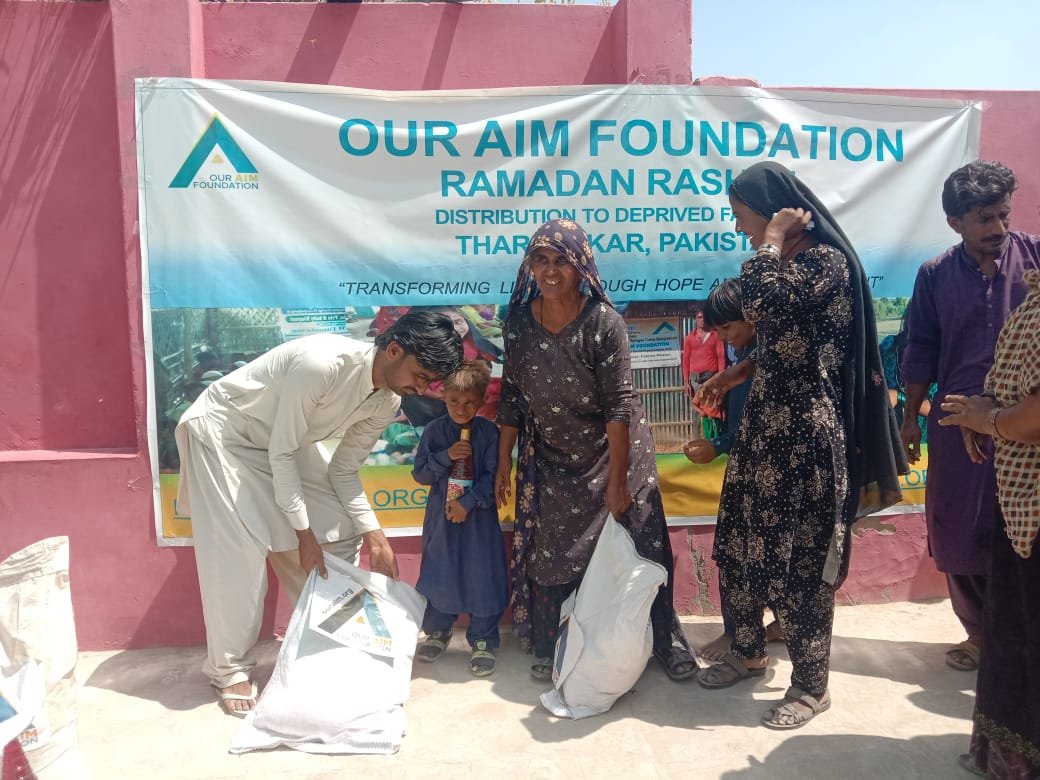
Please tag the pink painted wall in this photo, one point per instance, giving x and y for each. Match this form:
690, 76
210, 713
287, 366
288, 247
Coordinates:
73, 440
73, 453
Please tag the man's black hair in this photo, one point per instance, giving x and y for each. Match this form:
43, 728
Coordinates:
431, 337
724, 304
981, 183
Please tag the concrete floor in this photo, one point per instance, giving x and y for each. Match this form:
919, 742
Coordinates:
898, 712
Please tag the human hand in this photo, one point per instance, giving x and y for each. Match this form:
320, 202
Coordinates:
910, 433
455, 512
311, 554
968, 412
973, 443
460, 449
786, 224
381, 556
618, 498
699, 451
712, 393
503, 484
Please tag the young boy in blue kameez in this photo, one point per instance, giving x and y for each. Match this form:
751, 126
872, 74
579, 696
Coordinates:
463, 565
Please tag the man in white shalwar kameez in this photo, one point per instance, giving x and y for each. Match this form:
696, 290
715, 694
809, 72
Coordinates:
260, 487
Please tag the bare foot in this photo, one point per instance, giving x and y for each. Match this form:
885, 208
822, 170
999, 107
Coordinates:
717, 648
245, 689
774, 633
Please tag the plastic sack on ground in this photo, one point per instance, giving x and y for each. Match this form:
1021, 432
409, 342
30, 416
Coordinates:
23, 694
605, 638
344, 670
37, 626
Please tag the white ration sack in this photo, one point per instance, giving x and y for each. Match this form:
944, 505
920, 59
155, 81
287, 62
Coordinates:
37, 629
344, 670
23, 694
605, 638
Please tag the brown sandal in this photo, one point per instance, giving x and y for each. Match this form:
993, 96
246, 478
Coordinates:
964, 657
789, 715
729, 672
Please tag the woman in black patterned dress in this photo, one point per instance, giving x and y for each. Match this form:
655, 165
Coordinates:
585, 446
816, 428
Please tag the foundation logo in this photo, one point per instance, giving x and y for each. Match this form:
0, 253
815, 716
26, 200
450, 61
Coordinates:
206, 167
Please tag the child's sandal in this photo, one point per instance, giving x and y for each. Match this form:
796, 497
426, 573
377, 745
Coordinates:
433, 646
482, 660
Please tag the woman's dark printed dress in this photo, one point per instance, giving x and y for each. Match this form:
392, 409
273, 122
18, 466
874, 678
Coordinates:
561, 390
786, 486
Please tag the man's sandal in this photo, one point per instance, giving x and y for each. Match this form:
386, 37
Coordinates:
964, 657
797, 709
433, 646
225, 698
482, 660
729, 672
542, 669
678, 662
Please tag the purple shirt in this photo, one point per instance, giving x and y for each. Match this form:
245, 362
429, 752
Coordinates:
953, 321
956, 314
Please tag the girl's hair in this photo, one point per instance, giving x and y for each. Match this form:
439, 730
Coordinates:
724, 304
475, 375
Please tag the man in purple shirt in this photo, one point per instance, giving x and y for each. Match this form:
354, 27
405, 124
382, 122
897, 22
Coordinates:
961, 299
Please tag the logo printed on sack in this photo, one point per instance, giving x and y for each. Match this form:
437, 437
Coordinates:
217, 140
355, 619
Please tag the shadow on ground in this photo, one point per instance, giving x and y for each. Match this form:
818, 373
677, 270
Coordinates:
862, 757
171, 676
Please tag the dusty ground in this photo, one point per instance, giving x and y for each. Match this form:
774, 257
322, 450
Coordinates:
898, 712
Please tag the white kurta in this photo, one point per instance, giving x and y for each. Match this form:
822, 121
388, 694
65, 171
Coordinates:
253, 473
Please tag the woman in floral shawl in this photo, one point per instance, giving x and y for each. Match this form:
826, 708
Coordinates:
585, 446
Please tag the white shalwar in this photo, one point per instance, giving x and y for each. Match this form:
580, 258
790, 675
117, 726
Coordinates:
253, 472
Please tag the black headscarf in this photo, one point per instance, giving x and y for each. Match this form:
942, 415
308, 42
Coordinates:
875, 453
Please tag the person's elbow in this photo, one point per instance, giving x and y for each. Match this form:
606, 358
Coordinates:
423, 476
344, 471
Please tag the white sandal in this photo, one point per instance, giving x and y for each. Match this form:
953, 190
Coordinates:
226, 697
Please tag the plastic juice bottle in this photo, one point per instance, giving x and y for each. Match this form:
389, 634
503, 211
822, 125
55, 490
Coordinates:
460, 478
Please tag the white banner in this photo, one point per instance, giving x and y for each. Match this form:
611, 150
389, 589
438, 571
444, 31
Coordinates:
269, 211
296, 196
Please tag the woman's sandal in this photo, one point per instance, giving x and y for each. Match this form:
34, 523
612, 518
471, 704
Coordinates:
797, 709
433, 646
964, 657
679, 663
542, 669
729, 672
481, 660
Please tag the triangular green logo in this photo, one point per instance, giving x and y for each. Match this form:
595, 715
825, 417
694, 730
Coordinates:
215, 137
